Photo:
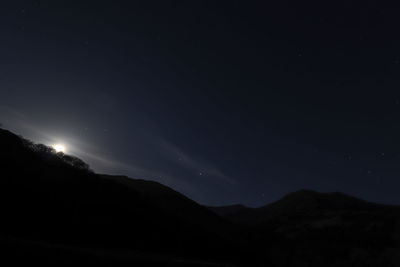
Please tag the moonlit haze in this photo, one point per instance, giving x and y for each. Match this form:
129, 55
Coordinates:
60, 148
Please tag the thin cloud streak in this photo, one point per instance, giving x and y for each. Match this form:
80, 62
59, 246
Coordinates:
170, 153
177, 155
137, 172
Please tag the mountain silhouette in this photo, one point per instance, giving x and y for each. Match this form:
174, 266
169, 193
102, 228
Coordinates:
299, 203
44, 198
56, 211
323, 229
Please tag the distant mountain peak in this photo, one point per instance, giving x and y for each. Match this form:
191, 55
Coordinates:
309, 199
300, 203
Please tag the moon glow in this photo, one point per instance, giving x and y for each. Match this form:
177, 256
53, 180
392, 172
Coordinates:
59, 148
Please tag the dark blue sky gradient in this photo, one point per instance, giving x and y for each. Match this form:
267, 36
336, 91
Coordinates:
226, 102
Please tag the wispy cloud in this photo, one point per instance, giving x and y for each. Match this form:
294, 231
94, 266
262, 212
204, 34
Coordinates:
172, 166
132, 170
199, 167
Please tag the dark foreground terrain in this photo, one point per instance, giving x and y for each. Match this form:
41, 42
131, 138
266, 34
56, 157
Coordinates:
56, 211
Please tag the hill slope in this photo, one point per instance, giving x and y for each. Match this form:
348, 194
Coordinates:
56, 211
299, 203
44, 198
319, 229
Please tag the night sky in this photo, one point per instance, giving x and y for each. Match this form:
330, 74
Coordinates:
225, 101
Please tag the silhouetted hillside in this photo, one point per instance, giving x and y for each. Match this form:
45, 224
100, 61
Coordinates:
299, 203
56, 211
324, 229
47, 199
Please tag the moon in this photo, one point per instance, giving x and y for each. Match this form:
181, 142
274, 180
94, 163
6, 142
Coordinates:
59, 148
